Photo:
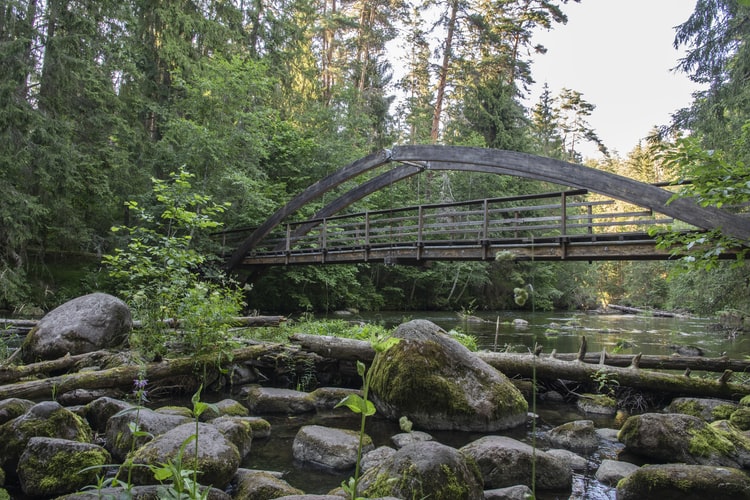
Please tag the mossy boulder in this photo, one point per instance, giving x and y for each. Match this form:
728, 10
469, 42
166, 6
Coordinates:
50, 467
740, 418
260, 485
439, 384
579, 436
425, 469
217, 458
706, 408
599, 404
684, 482
120, 439
675, 437
84, 324
328, 447
46, 419
13, 407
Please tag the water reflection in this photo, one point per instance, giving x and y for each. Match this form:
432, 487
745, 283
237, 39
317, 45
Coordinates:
617, 333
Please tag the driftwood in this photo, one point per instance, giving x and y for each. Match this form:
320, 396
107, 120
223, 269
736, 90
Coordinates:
13, 373
646, 312
123, 376
576, 367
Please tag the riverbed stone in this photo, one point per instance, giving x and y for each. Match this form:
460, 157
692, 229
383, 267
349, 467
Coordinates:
270, 400
574, 460
328, 447
238, 430
120, 439
326, 398
50, 467
676, 437
13, 407
706, 408
505, 461
402, 439
578, 436
375, 457
45, 419
217, 458
427, 469
518, 492
99, 411
684, 482
260, 485
611, 471
144, 492
599, 404
439, 384
84, 324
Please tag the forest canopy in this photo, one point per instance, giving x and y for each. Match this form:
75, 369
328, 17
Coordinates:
257, 100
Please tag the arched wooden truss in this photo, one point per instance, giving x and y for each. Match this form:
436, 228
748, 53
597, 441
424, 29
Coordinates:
411, 160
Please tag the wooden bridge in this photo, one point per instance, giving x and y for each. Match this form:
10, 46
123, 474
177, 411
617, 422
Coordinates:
602, 217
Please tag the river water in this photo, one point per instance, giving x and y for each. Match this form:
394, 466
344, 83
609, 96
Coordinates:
617, 333
621, 333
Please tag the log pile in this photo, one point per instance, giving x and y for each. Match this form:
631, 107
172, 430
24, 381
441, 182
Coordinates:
669, 375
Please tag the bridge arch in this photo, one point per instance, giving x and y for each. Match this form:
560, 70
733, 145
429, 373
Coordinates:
414, 159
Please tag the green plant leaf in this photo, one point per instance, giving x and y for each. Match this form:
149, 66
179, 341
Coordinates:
358, 405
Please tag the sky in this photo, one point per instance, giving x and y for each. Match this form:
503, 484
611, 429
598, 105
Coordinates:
619, 55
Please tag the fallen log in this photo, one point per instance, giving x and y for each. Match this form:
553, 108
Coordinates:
12, 373
553, 368
123, 376
646, 312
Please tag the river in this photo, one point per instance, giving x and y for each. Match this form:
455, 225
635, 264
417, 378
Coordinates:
620, 333
617, 333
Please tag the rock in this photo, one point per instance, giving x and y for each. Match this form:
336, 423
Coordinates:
520, 492
217, 461
326, 398
147, 492
46, 419
675, 437
505, 462
579, 436
598, 404
238, 430
375, 457
684, 482
740, 418
520, 323
86, 396
328, 447
267, 400
310, 497
99, 411
119, 432
705, 408
12, 408
424, 470
50, 467
404, 438
260, 426
687, 350
230, 408
574, 460
260, 485
439, 384
611, 471
85, 324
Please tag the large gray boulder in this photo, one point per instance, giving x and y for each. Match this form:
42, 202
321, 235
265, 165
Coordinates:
120, 438
50, 467
507, 462
260, 485
85, 324
684, 482
675, 437
439, 384
425, 469
45, 419
579, 436
217, 458
328, 447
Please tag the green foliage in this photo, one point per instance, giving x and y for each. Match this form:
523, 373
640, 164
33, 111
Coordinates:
714, 180
606, 382
157, 271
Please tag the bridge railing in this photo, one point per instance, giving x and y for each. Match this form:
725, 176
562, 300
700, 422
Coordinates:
556, 216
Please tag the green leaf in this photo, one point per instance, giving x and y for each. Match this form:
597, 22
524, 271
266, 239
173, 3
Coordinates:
358, 405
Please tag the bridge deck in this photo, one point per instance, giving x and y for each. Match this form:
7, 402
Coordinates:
566, 225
